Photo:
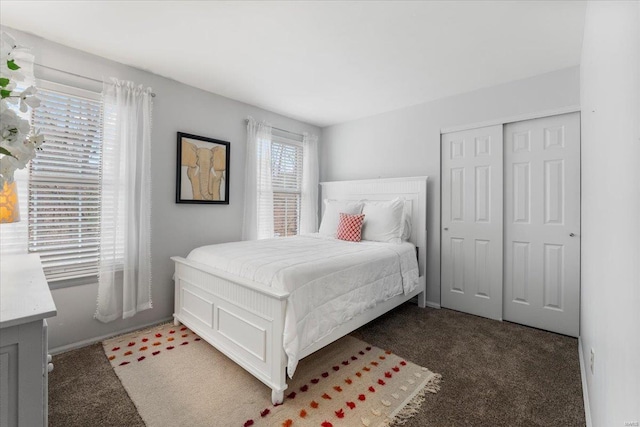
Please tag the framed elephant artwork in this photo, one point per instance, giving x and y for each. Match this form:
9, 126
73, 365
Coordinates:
203, 170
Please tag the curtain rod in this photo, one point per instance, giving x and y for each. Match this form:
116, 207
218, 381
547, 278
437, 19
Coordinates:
282, 130
76, 75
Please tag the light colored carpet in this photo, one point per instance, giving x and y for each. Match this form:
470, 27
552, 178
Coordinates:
176, 379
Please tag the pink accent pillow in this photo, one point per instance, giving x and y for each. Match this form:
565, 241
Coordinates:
350, 227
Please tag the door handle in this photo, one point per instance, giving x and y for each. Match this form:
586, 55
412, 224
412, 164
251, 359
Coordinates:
571, 235
446, 228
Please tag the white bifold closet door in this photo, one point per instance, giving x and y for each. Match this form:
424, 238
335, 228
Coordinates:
542, 223
472, 221
532, 275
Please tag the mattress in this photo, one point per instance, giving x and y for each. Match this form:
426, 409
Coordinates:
329, 281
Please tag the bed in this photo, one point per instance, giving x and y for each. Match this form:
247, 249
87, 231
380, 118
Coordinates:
249, 313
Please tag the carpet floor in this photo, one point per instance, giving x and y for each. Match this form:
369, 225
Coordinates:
494, 374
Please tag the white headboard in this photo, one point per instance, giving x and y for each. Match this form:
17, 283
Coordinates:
413, 189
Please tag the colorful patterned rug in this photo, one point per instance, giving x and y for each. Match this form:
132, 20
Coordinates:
177, 379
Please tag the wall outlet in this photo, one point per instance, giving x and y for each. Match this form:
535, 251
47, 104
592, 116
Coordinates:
592, 359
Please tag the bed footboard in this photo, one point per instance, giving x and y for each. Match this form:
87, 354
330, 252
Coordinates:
242, 319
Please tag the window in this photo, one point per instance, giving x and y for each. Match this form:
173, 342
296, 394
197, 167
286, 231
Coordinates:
282, 188
64, 184
286, 176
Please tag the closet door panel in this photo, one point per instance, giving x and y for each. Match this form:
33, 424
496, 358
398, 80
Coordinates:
472, 221
542, 214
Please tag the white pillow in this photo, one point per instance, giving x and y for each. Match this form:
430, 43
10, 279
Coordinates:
383, 221
332, 211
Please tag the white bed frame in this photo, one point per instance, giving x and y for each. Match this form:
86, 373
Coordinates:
245, 320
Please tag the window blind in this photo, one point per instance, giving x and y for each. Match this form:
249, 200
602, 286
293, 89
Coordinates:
286, 173
64, 186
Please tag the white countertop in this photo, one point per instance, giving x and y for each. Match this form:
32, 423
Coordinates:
24, 291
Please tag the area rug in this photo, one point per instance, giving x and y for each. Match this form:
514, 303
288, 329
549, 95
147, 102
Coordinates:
177, 379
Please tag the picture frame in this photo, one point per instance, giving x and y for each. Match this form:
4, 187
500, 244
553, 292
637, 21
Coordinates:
202, 174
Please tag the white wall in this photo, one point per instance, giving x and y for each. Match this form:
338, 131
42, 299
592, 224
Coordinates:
610, 305
176, 228
406, 142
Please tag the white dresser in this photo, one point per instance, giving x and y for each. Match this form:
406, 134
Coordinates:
25, 303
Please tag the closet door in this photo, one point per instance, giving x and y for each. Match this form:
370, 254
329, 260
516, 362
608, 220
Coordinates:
472, 221
542, 223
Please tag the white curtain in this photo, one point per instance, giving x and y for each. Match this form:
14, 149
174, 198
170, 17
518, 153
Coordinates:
125, 223
309, 208
258, 194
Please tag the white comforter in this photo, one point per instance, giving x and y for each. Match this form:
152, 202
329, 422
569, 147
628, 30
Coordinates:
329, 281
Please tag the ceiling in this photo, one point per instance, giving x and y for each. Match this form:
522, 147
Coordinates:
319, 62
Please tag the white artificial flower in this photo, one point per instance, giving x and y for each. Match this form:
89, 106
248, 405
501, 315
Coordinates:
23, 155
9, 123
8, 166
8, 136
28, 99
36, 138
24, 126
18, 159
7, 43
11, 120
8, 116
13, 129
16, 135
10, 51
30, 91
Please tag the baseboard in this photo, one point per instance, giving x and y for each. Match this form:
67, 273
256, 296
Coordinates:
89, 341
585, 390
433, 304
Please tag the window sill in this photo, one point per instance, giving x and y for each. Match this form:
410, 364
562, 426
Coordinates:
81, 281
69, 283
